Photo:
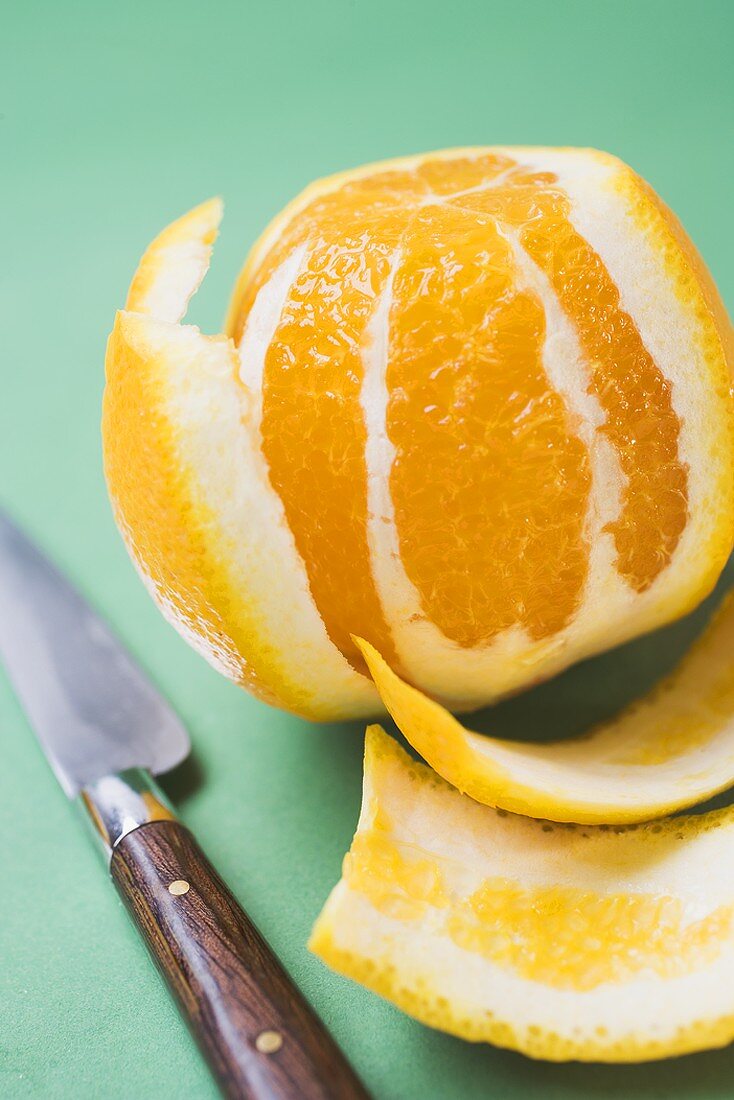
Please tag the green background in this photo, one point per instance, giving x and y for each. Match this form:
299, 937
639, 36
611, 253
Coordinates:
115, 118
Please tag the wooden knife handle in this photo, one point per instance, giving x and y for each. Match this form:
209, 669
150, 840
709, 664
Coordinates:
260, 1037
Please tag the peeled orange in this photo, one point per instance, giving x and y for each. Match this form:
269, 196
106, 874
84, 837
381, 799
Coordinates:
473, 407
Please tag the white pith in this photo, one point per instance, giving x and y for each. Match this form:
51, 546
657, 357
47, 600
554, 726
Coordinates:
167, 298
398, 597
176, 262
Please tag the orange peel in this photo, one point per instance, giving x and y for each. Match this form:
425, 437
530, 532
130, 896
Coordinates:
668, 750
560, 941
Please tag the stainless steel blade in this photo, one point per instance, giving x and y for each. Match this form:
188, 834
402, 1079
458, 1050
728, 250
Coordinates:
94, 711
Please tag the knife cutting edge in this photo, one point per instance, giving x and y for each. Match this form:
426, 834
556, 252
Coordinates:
106, 732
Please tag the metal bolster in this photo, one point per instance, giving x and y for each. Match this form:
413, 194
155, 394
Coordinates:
118, 804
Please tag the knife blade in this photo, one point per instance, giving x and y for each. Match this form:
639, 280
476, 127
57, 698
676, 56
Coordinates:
105, 731
93, 711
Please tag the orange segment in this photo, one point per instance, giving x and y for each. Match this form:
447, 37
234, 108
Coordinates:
445, 177
633, 392
640, 419
314, 434
313, 429
490, 484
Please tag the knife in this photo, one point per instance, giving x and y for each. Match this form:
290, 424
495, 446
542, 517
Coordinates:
105, 732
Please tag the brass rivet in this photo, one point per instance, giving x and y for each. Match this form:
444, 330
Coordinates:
268, 1042
179, 887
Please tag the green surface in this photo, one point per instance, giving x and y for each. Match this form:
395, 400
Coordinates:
114, 119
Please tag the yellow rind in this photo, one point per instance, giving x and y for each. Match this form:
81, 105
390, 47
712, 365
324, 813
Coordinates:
421, 997
166, 529
174, 263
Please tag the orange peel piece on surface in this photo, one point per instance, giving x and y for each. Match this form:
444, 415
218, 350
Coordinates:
670, 749
560, 941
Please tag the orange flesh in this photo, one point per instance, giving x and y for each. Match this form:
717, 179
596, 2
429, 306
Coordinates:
479, 436
314, 434
490, 483
641, 423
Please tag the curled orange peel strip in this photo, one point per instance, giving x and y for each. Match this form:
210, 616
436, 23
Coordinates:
671, 749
